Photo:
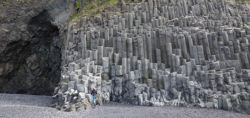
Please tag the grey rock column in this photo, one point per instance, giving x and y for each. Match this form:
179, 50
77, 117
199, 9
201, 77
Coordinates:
190, 45
244, 60
119, 46
154, 78
169, 54
206, 46
116, 58
140, 49
100, 55
131, 20
166, 82
145, 63
106, 34
144, 17
133, 62
105, 64
128, 64
183, 47
130, 47
196, 57
158, 56
84, 45
149, 46
200, 54
124, 66
188, 68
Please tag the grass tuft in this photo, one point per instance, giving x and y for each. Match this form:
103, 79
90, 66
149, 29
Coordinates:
94, 8
239, 1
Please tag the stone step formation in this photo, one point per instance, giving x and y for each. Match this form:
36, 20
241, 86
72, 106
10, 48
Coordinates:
160, 52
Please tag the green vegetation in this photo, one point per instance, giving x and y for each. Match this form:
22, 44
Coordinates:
243, 1
96, 7
93, 8
239, 1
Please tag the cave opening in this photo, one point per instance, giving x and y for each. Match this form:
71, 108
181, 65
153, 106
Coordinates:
35, 62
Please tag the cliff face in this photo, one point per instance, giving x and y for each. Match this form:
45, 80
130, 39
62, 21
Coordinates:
160, 52
30, 45
155, 52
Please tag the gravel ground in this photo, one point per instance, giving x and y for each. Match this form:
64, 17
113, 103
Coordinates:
28, 106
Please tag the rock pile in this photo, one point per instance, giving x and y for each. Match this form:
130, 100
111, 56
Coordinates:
161, 52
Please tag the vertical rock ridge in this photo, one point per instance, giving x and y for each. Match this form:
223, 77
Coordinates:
161, 52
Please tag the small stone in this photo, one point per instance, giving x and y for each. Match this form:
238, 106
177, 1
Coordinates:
226, 103
140, 99
82, 95
80, 87
89, 97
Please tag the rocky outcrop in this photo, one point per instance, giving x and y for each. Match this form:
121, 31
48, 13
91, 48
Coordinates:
161, 52
30, 45
153, 53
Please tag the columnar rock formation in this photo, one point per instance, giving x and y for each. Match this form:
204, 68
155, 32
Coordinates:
161, 52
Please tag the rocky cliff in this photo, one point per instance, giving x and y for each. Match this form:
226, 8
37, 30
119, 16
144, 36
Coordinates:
160, 52
30, 45
145, 52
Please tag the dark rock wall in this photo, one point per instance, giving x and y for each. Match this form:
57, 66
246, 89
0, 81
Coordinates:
30, 45
37, 61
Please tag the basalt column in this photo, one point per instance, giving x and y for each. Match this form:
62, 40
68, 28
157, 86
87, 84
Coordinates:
160, 52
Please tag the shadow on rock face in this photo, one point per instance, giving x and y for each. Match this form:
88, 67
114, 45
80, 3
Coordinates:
32, 66
41, 27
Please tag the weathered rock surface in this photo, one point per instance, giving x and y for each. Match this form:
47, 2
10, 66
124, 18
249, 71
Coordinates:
161, 52
152, 53
30, 45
